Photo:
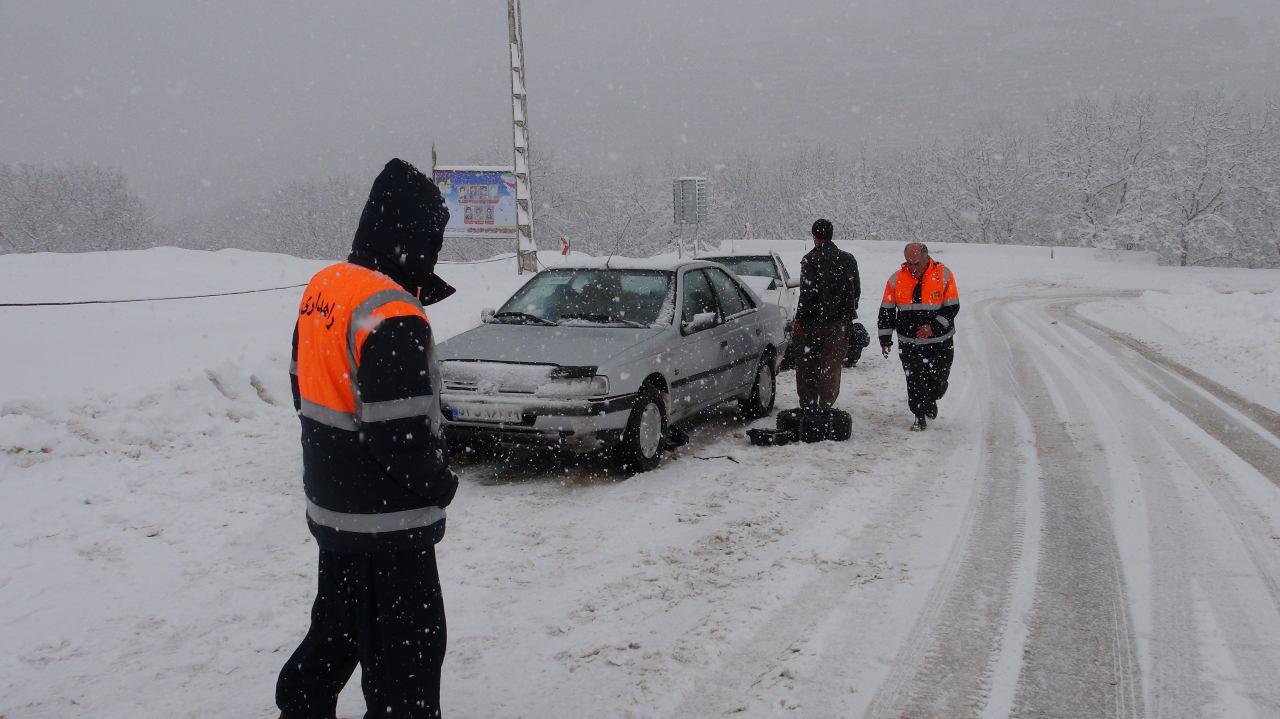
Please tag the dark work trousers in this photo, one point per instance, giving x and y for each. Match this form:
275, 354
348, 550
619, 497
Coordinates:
383, 610
928, 368
818, 363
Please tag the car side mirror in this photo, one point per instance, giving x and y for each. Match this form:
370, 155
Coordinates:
701, 321
773, 285
793, 283
486, 315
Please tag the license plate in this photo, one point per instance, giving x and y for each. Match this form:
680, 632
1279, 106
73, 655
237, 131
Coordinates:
463, 412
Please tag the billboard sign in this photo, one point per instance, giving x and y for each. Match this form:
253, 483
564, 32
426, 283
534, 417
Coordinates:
481, 200
689, 197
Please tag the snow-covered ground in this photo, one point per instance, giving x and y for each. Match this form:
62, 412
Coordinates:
1091, 528
1227, 332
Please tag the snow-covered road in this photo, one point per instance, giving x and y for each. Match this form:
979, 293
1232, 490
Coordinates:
1090, 529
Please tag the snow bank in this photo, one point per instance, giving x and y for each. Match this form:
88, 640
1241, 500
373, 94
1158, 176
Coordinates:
70, 354
1229, 337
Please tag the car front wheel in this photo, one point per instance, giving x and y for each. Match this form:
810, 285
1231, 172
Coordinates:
644, 439
763, 392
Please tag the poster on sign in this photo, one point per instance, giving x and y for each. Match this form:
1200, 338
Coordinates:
481, 200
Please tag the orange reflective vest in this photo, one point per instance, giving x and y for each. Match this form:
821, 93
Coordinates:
374, 465
908, 303
341, 306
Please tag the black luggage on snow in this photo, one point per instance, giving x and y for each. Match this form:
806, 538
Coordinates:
767, 437
816, 425
859, 340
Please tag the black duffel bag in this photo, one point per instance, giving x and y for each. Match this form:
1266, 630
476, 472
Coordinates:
818, 425
858, 341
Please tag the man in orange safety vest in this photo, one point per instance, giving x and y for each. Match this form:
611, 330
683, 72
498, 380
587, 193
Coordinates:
920, 304
375, 466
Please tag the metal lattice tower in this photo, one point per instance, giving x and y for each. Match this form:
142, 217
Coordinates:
525, 249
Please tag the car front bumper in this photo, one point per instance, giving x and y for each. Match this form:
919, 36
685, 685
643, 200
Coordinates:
572, 424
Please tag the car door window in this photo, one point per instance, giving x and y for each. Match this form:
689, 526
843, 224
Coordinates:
699, 297
733, 301
782, 267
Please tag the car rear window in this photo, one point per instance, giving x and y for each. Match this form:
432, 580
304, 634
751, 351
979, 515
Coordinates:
749, 266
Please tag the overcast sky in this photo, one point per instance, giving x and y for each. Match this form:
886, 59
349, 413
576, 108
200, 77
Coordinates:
204, 102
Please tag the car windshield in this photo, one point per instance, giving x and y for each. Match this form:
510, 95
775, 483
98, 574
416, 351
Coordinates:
749, 266
625, 298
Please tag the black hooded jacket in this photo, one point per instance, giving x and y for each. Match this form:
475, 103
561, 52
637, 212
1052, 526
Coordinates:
395, 465
829, 286
402, 229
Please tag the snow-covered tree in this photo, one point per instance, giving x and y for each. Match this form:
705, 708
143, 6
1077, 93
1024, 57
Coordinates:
70, 208
1094, 171
1198, 177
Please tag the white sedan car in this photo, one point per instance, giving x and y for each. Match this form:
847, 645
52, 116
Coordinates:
611, 354
766, 274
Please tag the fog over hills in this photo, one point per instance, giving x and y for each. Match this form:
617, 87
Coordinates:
203, 103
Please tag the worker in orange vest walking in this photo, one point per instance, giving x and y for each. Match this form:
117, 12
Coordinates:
375, 466
921, 303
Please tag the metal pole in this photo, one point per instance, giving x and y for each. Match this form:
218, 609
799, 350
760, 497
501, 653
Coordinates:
520, 141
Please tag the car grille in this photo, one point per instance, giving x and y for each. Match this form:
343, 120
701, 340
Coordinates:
467, 386
492, 378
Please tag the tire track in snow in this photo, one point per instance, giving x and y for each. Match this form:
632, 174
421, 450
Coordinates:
1174, 383
1163, 381
1081, 652
945, 668
798, 655
1103, 406
1219, 551
1265, 417
1212, 577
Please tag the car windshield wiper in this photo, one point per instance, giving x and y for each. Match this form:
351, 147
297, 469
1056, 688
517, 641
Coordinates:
603, 319
524, 317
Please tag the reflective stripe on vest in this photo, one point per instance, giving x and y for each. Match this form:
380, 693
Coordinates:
930, 341
399, 408
374, 523
330, 417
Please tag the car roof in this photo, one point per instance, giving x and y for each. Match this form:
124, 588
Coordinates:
665, 263
737, 255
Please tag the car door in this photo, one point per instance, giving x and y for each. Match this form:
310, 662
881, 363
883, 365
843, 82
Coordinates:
740, 336
788, 296
696, 360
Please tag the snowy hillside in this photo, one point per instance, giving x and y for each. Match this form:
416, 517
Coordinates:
1099, 498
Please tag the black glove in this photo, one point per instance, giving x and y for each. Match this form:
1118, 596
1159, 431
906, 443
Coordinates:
450, 482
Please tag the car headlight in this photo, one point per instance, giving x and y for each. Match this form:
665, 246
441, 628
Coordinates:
593, 386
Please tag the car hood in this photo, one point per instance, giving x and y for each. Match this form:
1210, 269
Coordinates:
571, 346
760, 285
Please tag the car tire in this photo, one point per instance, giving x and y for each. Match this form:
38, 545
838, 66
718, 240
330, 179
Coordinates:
643, 442
764, 391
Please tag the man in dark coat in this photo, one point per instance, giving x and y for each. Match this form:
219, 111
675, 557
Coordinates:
375, 467
829, 293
